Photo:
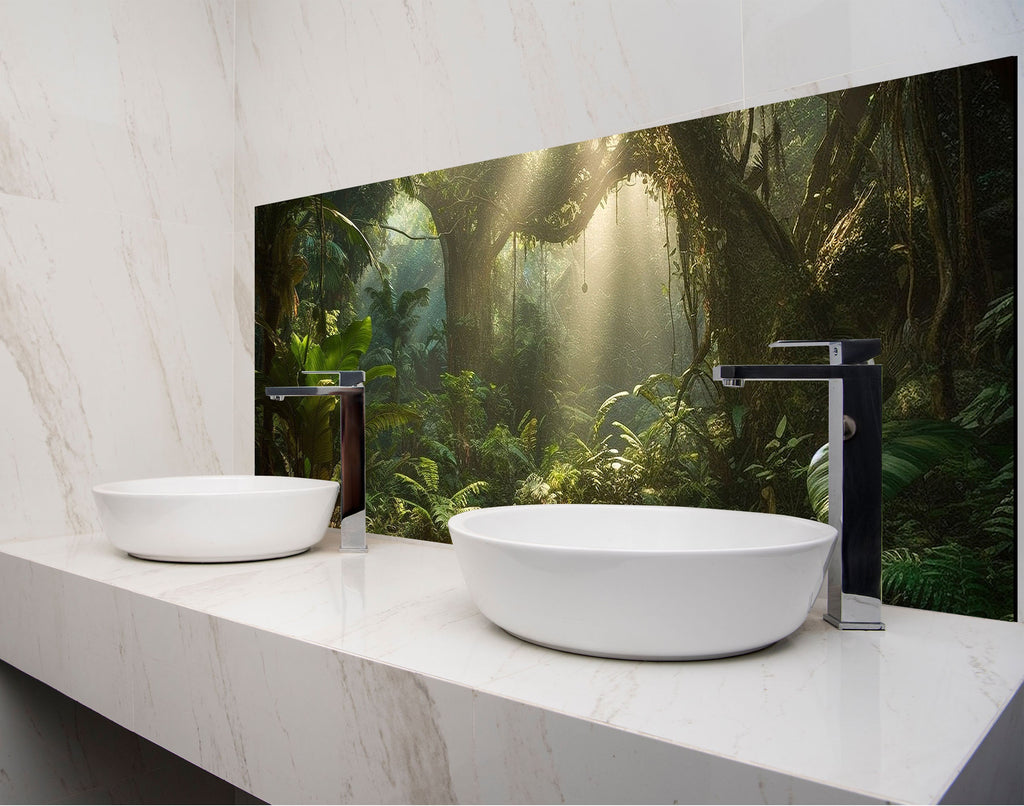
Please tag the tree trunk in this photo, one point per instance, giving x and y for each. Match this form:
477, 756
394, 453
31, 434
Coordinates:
947, 225
836, 167
477, 208
757, 289
468, 297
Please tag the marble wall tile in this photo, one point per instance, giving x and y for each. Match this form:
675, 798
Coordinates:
335, 95
810, 46
514, 77
972, 53
324, 91
116, 305
115, 343
242, 346
122, 106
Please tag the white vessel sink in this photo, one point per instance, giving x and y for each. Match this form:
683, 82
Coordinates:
647, 583
210, 519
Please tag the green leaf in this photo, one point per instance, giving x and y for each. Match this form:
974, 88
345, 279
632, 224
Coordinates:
910, 448
343, 350
352, 234
738, 413
380, 371
388, 415
603, 411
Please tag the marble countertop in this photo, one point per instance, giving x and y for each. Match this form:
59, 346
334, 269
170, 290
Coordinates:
822, 715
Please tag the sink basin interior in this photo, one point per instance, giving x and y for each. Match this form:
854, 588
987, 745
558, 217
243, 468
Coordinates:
215, 518
659, 583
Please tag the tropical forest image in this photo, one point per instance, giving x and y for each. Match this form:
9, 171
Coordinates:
541, 328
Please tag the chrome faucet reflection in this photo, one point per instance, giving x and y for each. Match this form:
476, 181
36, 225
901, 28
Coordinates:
352, 410
854, 468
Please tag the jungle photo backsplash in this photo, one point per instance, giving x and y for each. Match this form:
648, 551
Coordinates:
541, 328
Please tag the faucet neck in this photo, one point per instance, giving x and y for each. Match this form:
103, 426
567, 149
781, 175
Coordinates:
854, 469
855, 500
352, 413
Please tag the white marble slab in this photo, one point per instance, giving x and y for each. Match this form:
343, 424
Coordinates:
328, 677
116, 250
55, 750
803, 47
332, 95
111, 327
120, 106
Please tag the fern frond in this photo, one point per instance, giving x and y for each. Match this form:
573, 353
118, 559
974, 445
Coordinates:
387, 416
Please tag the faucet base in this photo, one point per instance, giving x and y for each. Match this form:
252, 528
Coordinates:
854, 625
353, 532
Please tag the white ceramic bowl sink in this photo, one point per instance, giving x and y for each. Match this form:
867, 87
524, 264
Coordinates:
210, 519
647, 583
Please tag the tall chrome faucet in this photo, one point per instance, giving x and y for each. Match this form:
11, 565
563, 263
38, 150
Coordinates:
854, 469
352, 409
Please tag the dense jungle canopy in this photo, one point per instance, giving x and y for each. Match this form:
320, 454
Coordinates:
541, 327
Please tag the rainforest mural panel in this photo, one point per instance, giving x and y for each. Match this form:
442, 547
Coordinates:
541, 328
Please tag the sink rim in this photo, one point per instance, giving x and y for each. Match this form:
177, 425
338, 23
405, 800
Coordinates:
215, 518
827, 534
683, 596
274, 485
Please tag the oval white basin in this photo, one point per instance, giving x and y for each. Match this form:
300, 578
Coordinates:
646, 583
210, 519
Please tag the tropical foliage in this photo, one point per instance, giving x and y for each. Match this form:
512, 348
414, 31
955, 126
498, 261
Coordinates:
541, 328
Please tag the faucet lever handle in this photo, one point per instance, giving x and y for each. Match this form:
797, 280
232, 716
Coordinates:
345, 377
322, 372
840, 351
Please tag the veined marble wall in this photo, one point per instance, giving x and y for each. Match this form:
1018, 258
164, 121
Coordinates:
332, 94
116, 142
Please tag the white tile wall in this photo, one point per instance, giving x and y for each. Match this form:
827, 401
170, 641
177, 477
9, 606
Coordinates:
119, 106
116, 242
802, 47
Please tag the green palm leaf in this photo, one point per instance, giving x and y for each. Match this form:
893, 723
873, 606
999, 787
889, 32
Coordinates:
910, 448
380, 371
343, 350
351, 233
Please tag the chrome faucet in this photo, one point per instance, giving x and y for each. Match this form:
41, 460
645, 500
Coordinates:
352, 409
854, 469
